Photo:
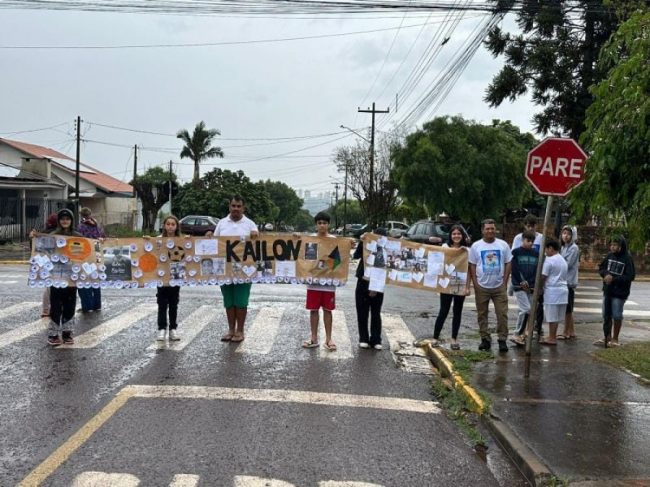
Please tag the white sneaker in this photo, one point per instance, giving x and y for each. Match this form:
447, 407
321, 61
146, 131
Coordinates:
174, 336
378, 347
363, 345
161, 336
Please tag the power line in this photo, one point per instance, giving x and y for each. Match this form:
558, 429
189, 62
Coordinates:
34, 130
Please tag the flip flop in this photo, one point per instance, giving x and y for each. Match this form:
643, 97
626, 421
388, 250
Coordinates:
227, 337
237, 337
563, 337
455, 346
309, 344
330, 346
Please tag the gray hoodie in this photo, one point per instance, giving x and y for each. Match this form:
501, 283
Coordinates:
571, 253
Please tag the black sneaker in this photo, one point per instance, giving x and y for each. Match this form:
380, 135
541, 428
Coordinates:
55, 341
67, 338
485, 344
503, 346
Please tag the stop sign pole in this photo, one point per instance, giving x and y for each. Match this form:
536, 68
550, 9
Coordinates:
554, 167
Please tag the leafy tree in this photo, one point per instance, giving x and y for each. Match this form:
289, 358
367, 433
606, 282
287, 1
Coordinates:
216, 189
198, 146
303, 221
152, 188
353, 212
285, 199
465, 169
376, 206
554, 56
617, 184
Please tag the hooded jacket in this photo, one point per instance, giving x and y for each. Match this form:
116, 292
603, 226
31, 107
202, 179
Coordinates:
621, 267
571, 253
88, 227
59, 230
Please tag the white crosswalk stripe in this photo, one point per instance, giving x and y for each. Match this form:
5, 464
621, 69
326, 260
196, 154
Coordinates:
16, 308
396, 331
94, 337
189, 329
23, 332
262, 333
341, 337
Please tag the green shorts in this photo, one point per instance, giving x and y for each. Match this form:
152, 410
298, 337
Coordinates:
236, 295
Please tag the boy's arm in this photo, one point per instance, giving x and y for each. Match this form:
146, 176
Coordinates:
602, 268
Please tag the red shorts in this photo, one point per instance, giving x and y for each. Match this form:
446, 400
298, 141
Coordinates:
317, 299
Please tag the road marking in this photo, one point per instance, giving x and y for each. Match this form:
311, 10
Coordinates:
94, 479
284, 396
626, 313
8, 282
250, 481
185, 480
396, 331
588, 293
189, 329
94, 337
341, 337
4, 276
600, 301
72, 444
23, 332
16, 308
263, 331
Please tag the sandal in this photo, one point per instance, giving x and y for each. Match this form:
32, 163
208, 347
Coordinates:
227, 337
331, 346
309, 344
455, 346
237, 337
563, 337
546, 342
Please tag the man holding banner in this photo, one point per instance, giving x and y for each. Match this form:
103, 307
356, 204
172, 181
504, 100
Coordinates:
489, 268
235, 296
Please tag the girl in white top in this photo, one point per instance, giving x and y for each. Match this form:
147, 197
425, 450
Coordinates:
556, 292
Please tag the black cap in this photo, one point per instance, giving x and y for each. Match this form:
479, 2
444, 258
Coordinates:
64, 212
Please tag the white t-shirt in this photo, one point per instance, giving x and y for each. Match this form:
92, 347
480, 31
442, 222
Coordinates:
490, 260
323, 287
555, 288
230, 228
536, 244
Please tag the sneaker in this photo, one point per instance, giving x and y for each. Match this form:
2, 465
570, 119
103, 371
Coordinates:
174, 336
503, 346
55, 341
364, 345
485, 344
67, 338
378, 346
161, 336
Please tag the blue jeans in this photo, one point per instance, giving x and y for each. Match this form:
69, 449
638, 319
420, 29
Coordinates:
612, 308
91, 299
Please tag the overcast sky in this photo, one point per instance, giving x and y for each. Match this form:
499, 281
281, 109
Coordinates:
254, 91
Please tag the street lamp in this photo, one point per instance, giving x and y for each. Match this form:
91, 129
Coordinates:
345, 183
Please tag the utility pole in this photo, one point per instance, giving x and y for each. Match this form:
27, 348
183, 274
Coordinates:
135, 194
77, 169
371, 190
336, 204
345, 198
170, 187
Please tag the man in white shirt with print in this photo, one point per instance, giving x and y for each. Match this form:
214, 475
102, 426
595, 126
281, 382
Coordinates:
235, 296
489, 268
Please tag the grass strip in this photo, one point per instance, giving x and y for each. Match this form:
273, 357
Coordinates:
633, 356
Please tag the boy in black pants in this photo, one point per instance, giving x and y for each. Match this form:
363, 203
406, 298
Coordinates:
368, 303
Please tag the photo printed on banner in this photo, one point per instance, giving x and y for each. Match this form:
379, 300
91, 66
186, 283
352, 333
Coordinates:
45, 245
117, 260
177, 270
311, 251
61, 270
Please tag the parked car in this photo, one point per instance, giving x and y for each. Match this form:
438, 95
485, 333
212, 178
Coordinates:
395, 229
357, 230
198, 225
423, 230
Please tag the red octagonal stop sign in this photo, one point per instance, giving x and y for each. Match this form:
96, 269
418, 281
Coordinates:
556, 166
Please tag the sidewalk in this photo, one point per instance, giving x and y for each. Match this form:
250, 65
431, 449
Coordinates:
14, 253
576, 418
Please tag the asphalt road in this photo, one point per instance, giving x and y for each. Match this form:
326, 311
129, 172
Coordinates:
118, 407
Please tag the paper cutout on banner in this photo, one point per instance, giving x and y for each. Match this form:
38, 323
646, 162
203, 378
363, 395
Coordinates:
430, 281
371, 259
371, 246
377, 280
436, 263
392, 275
208, 246
285, 269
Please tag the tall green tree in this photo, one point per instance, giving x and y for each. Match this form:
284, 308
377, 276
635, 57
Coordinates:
198, 146
617, 184
554, 56
467, 170
216, 189
285, 199
152, 188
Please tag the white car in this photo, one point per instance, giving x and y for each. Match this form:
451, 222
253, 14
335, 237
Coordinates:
396, 229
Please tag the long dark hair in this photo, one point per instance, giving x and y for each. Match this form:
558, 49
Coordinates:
178, 226
464, 242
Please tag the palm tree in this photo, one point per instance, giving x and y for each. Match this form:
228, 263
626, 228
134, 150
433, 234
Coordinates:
198, 146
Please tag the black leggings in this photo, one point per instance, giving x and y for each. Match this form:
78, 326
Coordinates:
167, 297
368, 306
445, 304
62, 308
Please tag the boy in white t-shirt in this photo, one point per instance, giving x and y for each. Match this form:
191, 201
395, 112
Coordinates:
556, 292
321, 296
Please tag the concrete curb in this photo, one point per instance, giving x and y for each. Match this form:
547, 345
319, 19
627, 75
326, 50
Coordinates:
14, 262
523, 457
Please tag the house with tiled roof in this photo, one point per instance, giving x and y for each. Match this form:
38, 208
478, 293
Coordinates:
36, 180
